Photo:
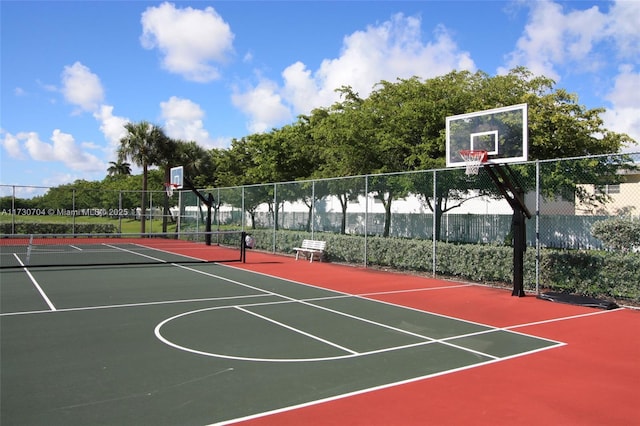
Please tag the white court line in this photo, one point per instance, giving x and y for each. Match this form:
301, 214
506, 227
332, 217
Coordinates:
35, 283
412, 290
588, 314
133, 252
362, 296
427, 339
304, 333
373, 389
168, 252
143, 304
365, 296
306, 302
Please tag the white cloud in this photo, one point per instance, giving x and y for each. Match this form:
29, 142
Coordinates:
111, 126
21, 191
626, 89
263, 105
11, 144
189, 39
624, 116
57, 179
391, 50
553, 38
623, 27
183, 120
47, 87
64, 149
81, 87
302, 90
556, 41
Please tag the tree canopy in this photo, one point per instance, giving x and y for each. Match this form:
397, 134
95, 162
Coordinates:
399, 127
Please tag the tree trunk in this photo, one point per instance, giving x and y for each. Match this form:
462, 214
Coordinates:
343, 203
387, 214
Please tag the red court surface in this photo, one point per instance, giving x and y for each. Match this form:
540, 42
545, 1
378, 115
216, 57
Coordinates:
592, 380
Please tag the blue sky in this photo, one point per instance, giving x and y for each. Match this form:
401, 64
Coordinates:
73, 72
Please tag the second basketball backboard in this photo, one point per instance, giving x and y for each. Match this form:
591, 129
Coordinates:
502, 132
177, 177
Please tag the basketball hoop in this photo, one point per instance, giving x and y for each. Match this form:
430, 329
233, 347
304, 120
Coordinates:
473, 160
169, 187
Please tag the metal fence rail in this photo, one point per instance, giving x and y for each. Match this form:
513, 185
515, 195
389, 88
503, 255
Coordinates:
566, 197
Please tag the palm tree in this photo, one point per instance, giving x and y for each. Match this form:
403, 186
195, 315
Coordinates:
141, 146
193, 158
119, 168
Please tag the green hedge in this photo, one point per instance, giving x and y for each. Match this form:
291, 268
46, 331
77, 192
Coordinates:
618, 234
593, 273
58, 228
590, 273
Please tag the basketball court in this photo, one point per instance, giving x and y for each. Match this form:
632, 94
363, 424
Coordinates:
129, 330
219, 344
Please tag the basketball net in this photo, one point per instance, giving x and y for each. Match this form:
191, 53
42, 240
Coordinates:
473, 160
169, 187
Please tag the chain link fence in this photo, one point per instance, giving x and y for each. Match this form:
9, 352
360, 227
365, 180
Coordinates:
407, 220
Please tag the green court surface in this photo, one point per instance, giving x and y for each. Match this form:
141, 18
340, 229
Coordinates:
203, 344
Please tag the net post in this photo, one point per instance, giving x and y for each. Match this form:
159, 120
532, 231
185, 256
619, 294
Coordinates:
243, 247
28, 259
207, 226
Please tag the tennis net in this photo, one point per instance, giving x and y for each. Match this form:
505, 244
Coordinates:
41, 250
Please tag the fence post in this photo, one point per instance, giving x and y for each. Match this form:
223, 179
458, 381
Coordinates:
13, 210
242, 212
434, 238
275, 215
73, 209
313, 207
537, 226
366, 216
120, 211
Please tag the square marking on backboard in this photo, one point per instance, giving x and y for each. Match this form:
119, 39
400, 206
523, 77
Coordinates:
502, 132
177, 176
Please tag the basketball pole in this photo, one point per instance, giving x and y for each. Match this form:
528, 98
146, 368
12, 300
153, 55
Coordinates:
514, 194
207, 202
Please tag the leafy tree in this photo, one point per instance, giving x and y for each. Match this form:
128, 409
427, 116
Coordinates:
297, 157
400, 127
142, 145
121, 191
343, 135
237, 166
558, 127
399, 112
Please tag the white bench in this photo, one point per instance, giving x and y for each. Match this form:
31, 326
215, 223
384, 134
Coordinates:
311, 248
